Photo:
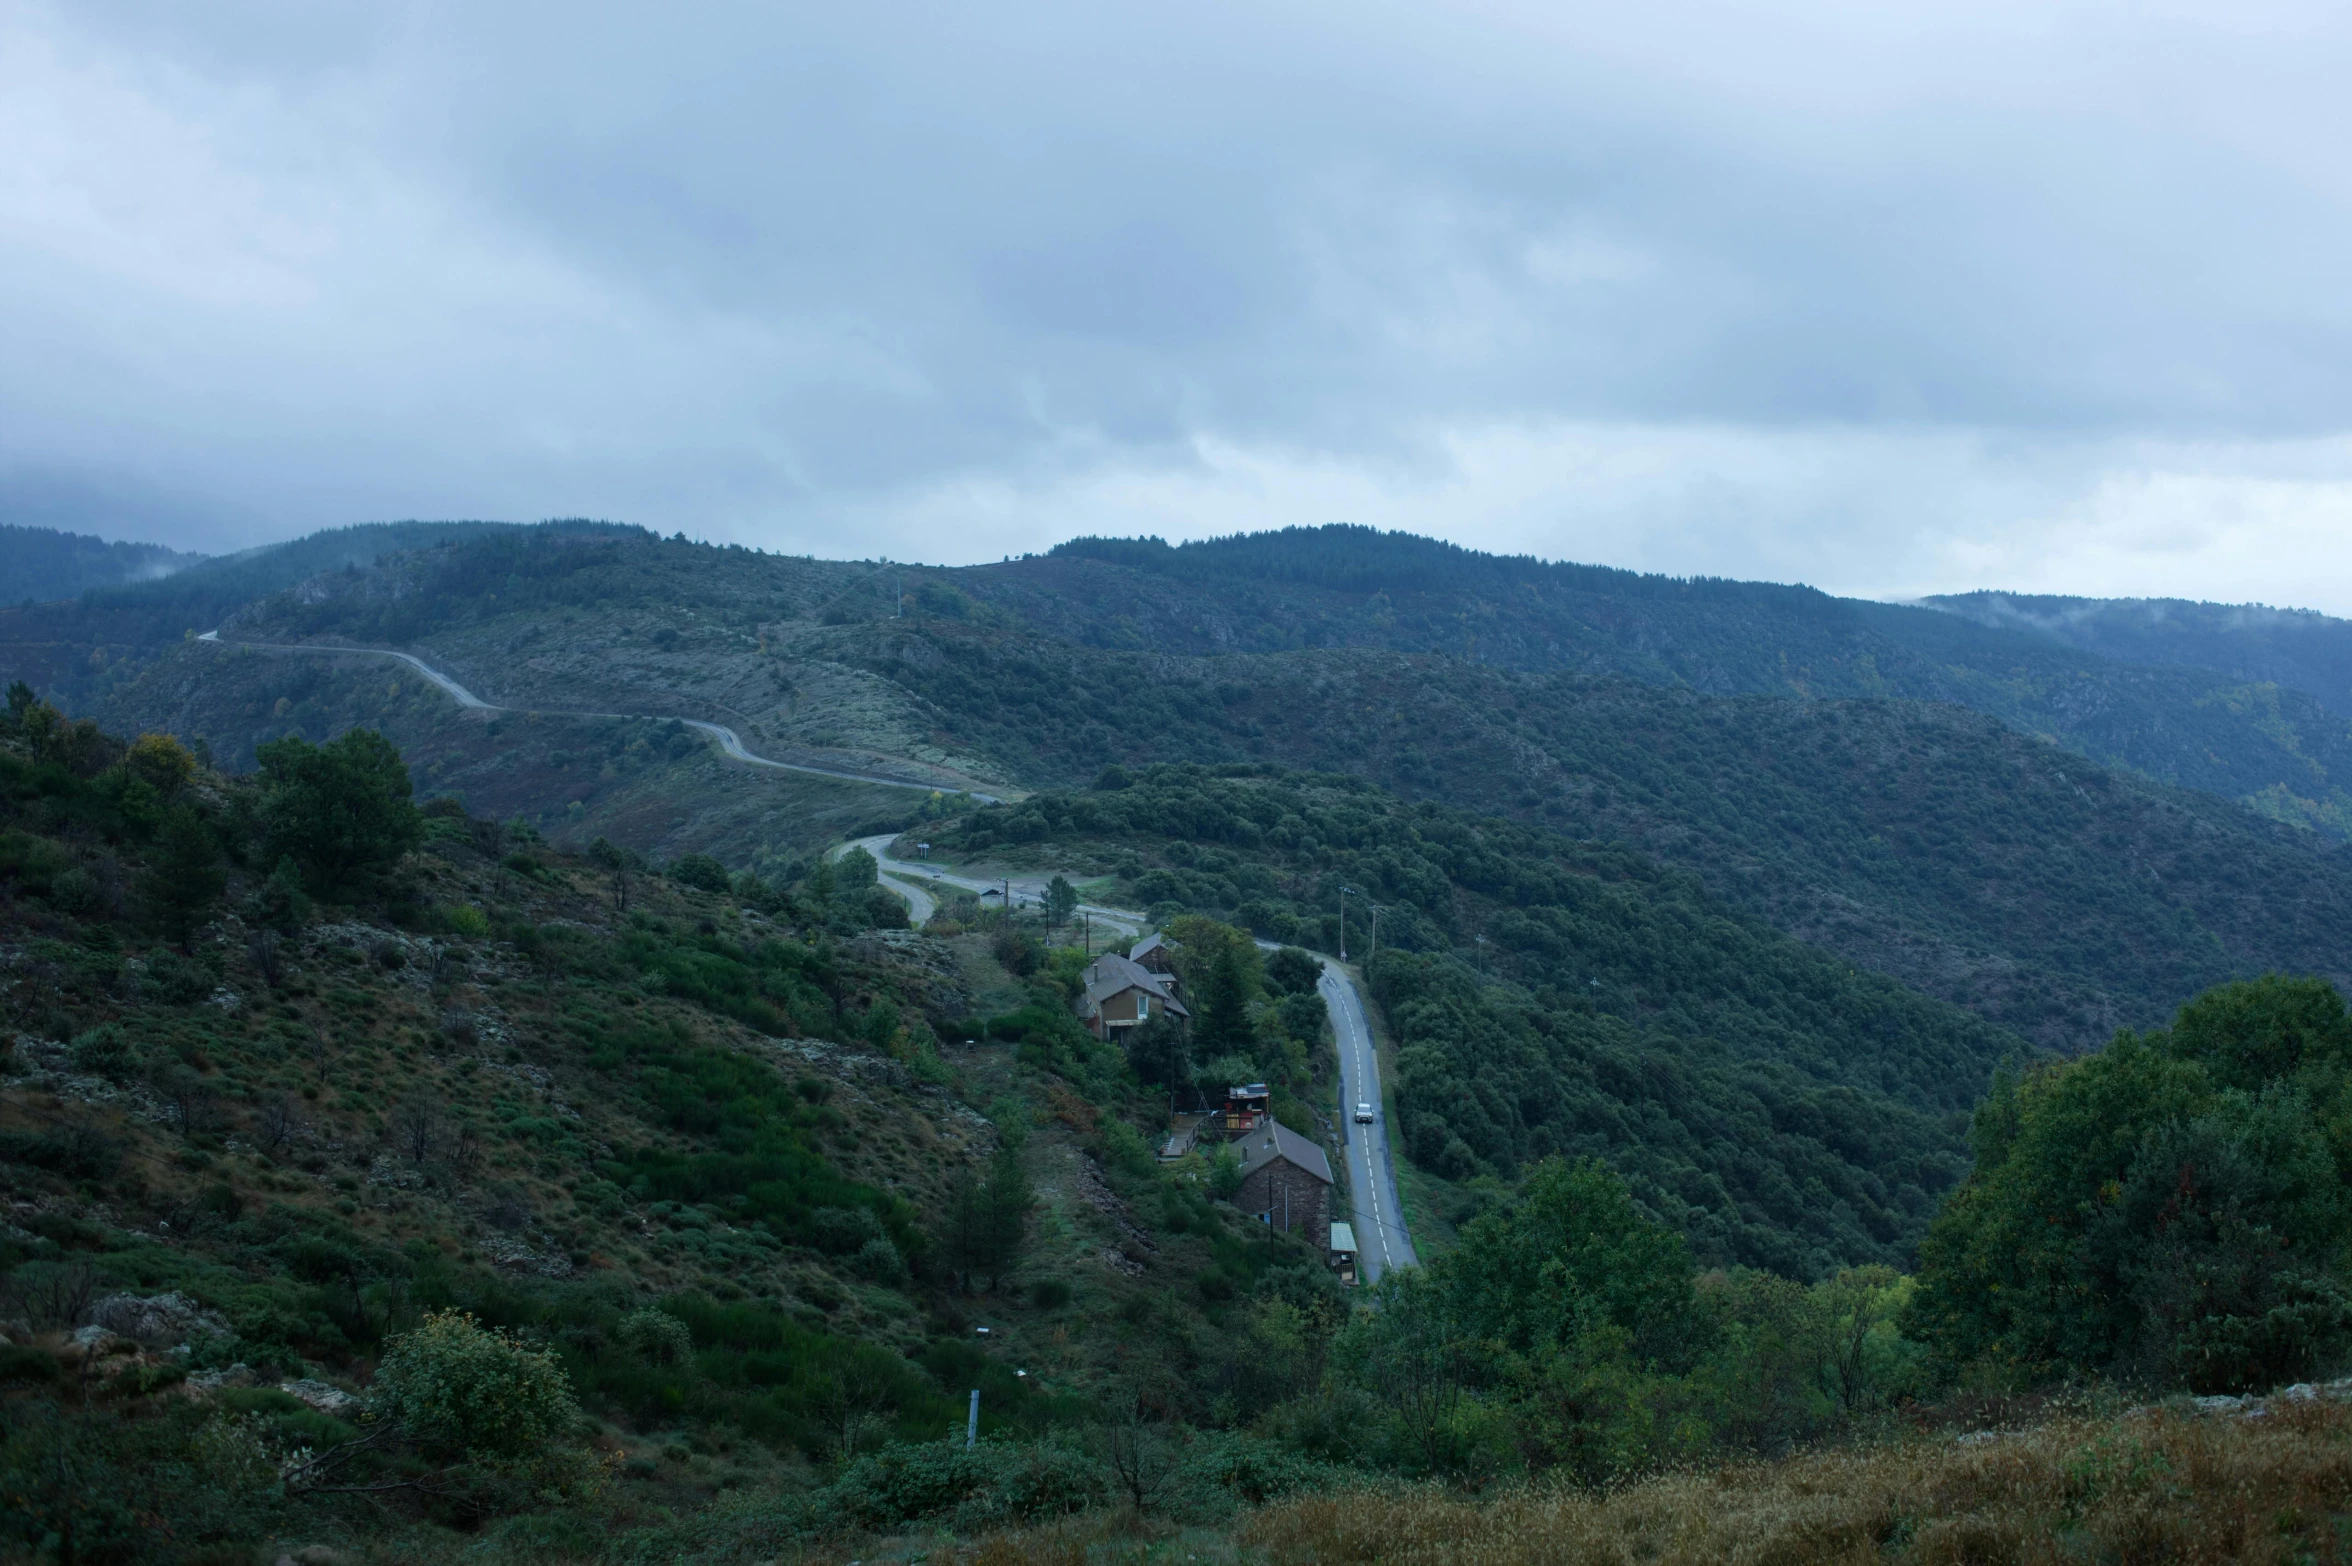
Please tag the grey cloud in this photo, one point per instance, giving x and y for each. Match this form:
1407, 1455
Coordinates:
750, 266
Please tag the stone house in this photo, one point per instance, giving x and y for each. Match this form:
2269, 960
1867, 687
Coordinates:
1286, 1183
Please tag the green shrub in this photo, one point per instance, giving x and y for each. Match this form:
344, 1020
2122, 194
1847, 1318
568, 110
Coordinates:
341, 810
701, 872
87, 1486
655, 1337
176, 981
462, 1391
19, 1362
969, 1487
878, 1261
842, 1231
1293, 971
74, 891
104, 1051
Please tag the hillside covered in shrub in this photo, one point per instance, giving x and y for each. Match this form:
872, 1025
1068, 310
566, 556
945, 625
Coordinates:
370, 1170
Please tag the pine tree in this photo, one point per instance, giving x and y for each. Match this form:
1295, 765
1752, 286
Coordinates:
186, 876
1224, 1023
1007, 1200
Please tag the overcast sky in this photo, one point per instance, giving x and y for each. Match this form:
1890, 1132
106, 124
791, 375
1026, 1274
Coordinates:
1888, 298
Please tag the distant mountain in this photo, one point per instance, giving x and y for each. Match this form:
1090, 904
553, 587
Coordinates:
2237, 727
2297, 648
2056, 896
1755, 735
40, 564
2267, 729
77, 651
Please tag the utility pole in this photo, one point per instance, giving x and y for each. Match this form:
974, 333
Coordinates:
972, 1421
1377, 910
1343, 897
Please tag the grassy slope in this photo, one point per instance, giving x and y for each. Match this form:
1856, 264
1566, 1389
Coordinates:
2161, 1484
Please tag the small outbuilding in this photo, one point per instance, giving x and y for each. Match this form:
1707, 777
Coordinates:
1343, 1252
1247, 1107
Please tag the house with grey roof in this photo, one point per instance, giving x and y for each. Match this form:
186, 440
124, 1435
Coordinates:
1285, 1182
1120, 994
1158, 954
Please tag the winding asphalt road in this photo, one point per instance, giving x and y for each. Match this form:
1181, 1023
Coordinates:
1378, 1213
1379, 1217
730, 743
908, 877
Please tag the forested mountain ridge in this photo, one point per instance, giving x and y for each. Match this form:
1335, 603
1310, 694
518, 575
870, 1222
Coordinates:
2256, 741
40, 564
2298, 648
80, 649
2053, 895
2059, 897
2250, 728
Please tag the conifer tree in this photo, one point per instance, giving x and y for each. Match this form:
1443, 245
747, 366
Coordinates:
185, 877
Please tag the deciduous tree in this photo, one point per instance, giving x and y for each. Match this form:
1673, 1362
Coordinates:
341, 810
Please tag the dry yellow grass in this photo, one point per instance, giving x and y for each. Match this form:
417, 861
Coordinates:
2161, 1486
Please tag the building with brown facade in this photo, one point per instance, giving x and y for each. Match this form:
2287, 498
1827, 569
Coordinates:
1285, 1183
1121, 994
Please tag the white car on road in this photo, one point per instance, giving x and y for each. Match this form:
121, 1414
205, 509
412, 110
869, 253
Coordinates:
1363, 1114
